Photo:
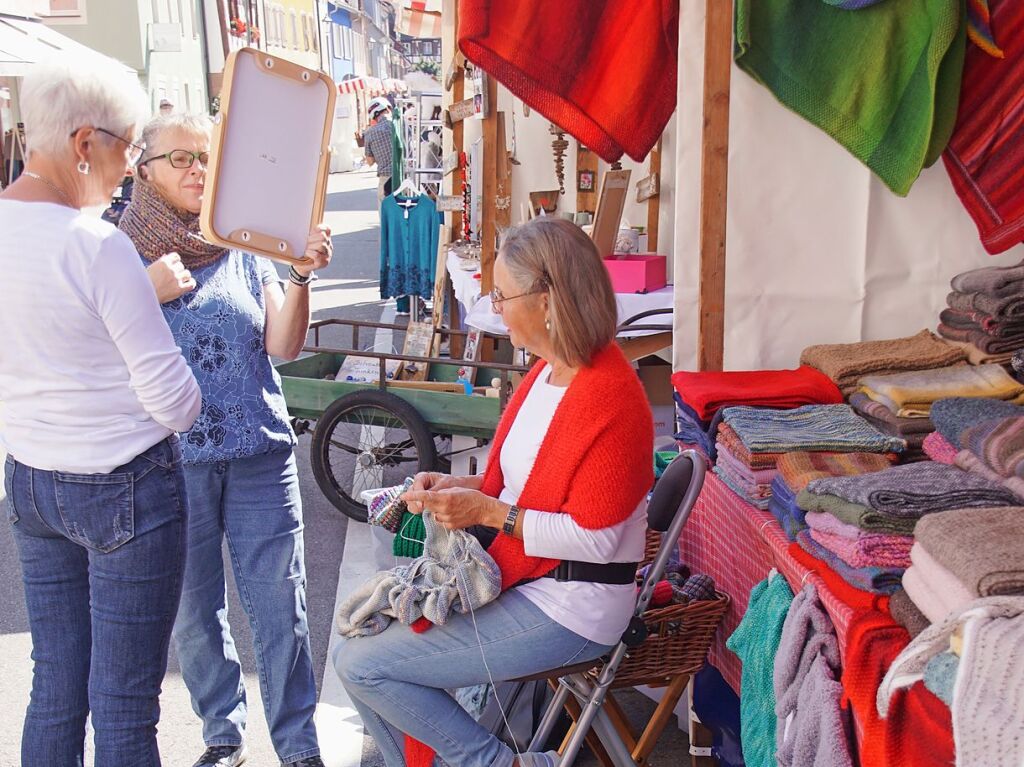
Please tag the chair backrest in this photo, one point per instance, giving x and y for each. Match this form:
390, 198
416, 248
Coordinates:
674, 497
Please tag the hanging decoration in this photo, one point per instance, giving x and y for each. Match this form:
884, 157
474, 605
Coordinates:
558, 147
464, 162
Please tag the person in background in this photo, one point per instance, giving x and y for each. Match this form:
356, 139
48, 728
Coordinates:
229, 314
378, 143
564, 493
95, 389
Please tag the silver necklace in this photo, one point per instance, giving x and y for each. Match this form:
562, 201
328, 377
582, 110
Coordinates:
53, 186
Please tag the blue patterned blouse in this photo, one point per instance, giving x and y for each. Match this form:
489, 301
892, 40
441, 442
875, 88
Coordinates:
220, 329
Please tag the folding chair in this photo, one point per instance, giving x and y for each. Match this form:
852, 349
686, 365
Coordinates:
589, 683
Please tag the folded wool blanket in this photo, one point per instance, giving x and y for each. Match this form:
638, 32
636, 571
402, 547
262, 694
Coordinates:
986, 729
912, 393
954, 319
999, 442
906, 613
868, 550
784, 508
847, 363
878, 580
995, 280
952, 415
756, 460
933, 587
1009, 307
895, 107
756, 641
876, 413
454, 574
692, 433
743, 491
812, 727
706, 393
987, 343
940, 676
969, 462
959, 320
864, 517
797, 469
977, 357
938, 449
1017, 363
917, 731
916, 489
983, 548
756, 478
825, 428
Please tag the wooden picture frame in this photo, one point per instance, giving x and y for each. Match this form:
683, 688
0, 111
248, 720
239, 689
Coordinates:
471, 353
419, 341
448, 202
610, 205
266, 184
647, 188
586, 180
546, 201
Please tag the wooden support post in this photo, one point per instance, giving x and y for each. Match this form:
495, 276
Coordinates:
489, 188
450, 55
714, 184
585, 161
503, 187
654, 203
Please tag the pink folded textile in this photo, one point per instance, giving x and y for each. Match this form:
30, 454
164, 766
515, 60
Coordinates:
868, 549
831, 524
968, 461
938, 448
934, 589
740, 470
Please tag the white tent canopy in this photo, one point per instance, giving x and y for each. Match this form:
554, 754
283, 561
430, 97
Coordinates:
23, 42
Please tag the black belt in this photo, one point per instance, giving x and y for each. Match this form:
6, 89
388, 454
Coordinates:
620, 573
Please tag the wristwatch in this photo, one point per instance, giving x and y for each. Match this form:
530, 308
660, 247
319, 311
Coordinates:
510, 520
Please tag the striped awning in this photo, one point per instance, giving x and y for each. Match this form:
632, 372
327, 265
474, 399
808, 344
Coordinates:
415, 22
430, 6
372, 86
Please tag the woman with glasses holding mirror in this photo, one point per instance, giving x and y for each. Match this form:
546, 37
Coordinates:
95, 390
229, 314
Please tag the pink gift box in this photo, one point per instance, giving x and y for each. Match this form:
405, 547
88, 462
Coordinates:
636, 273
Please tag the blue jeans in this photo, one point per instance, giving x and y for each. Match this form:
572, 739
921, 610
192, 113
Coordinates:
102, 557
254, 504
397, 679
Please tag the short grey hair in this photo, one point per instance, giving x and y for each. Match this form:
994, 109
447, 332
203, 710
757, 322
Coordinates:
68, 91
189, 123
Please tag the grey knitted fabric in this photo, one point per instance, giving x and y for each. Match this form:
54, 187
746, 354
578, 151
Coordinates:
454, 574
954, 414
916, 489
999, 281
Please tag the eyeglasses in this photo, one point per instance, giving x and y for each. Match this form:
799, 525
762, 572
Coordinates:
135, 151
181, 159
498, 300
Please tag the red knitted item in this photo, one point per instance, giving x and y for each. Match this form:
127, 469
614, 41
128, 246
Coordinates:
662, 594
917, 732
854, 597
706, 392
603, 70
594, 464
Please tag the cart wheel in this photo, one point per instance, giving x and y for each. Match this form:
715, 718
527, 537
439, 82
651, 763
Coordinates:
365, 440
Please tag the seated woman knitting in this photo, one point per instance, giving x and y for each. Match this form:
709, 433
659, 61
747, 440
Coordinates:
563, 498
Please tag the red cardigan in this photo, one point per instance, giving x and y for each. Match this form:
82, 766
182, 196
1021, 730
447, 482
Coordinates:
595, 462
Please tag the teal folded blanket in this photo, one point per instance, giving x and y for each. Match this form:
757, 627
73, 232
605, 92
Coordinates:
883, 81
812, 428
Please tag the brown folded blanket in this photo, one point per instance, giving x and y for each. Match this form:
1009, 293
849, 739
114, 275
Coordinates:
878, 415
847, 363
905, 612
983, 548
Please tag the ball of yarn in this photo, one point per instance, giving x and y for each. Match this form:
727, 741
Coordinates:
699, 588
662, 594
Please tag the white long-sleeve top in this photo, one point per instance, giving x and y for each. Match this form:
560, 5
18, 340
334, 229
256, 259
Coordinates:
89, 372
598, 611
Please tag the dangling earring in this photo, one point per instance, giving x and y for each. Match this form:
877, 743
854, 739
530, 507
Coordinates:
547, 325
83, 168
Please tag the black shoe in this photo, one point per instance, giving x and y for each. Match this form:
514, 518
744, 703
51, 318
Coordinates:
309, 761
222, 756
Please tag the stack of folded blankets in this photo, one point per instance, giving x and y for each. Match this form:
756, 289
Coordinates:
796, 470
965, 554
986, 437
701, 398
985, 313
846, 364
873, 516
752, 440
912, 430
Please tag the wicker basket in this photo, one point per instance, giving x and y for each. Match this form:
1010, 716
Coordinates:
678, 640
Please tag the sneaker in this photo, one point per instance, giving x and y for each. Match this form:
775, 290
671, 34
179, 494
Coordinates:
309, 761
222, 756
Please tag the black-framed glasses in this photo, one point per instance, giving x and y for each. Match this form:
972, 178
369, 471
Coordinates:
135, 151
181, 159
497, 299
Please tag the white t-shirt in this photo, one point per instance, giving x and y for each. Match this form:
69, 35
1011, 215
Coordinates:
89, 372
598, 611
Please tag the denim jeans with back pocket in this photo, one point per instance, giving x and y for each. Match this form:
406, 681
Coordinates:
102, 557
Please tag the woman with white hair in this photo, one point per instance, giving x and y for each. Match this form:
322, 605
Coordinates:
95, 389
228, 312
